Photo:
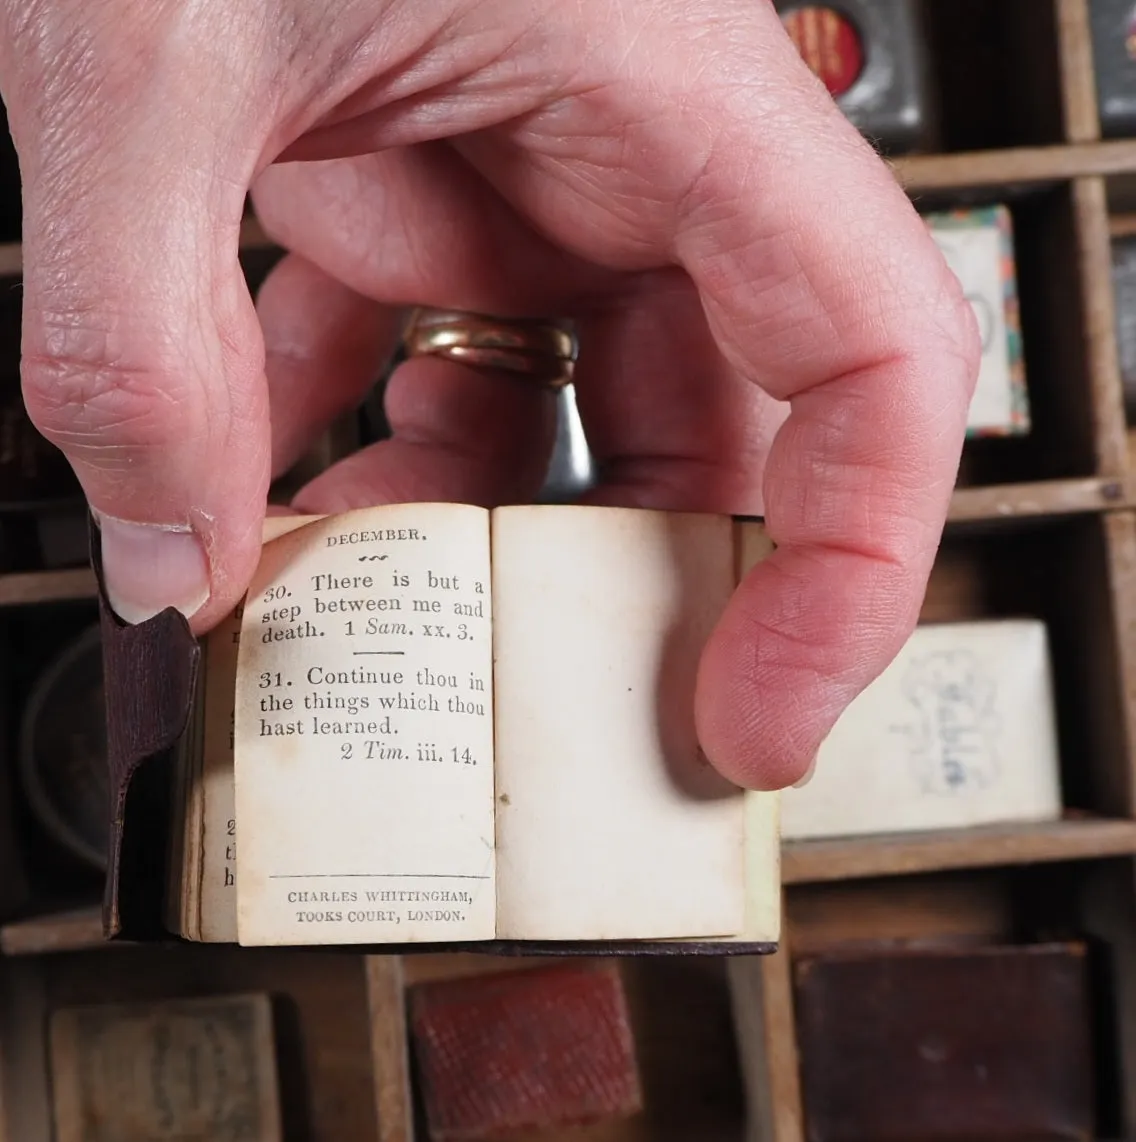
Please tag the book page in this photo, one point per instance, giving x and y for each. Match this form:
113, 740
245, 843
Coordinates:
216, 895
762, 817
610, 822
217, 883
763, 868
364, 732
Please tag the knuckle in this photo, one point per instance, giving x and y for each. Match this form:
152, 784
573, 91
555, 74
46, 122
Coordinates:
84, 394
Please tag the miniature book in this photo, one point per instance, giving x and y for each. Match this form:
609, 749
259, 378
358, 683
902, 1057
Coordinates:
437, 725
185, 1070
946, 1044
518, 1052
978, 245
959, 730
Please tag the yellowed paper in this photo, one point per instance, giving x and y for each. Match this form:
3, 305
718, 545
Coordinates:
214, 903
610, 823
364, 740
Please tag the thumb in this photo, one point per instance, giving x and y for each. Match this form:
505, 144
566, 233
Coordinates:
142, 354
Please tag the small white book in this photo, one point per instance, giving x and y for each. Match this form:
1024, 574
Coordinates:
958, 731
978, 246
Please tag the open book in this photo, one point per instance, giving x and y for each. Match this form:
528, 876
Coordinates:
450, 725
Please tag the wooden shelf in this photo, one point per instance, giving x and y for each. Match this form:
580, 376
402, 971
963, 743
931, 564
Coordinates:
811, 862
76, 930
996, 168
46, 586
803, 862
1040, 498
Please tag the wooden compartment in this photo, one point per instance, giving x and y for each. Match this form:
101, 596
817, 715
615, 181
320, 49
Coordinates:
321, 1022
995, 74
1064, 573
1052, 226
939, 75
684, 1041
1041, 526
1086, 903
1057, 571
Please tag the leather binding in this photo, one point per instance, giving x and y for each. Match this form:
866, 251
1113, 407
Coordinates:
946, 1045
522, 1051
150, 673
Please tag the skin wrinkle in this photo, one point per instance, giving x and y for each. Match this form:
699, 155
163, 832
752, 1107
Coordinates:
690, 481
792, 520
432, 85
801, 651
367, 216
835, 410
127, 404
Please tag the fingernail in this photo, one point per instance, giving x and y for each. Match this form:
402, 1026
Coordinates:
148, 567
807, 776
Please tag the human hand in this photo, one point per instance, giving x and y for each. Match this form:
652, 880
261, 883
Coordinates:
666, 172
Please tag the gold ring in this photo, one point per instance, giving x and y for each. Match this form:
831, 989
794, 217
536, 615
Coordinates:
540, 350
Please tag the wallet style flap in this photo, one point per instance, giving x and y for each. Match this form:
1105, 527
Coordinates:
149, 674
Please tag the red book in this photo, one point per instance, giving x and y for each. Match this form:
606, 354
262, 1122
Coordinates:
524, 1050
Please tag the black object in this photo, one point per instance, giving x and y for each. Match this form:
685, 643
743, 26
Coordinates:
63, 751
11, 202
1114, 60
871, 55
1124, 289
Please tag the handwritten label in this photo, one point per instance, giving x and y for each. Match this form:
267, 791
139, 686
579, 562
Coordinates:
952, 736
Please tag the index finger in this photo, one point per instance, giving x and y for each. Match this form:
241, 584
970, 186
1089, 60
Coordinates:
822, 285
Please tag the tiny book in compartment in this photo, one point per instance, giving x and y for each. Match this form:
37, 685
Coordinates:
176, 1070
959, 731
435, 725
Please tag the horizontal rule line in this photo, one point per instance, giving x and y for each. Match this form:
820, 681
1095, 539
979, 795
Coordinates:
375, 876
378, 652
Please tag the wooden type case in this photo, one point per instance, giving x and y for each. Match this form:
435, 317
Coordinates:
1043, 526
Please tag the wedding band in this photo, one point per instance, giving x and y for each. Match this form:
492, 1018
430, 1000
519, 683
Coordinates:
540, 350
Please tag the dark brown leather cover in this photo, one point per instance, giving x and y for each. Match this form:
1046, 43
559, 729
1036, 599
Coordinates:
150, 673
951, 1045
